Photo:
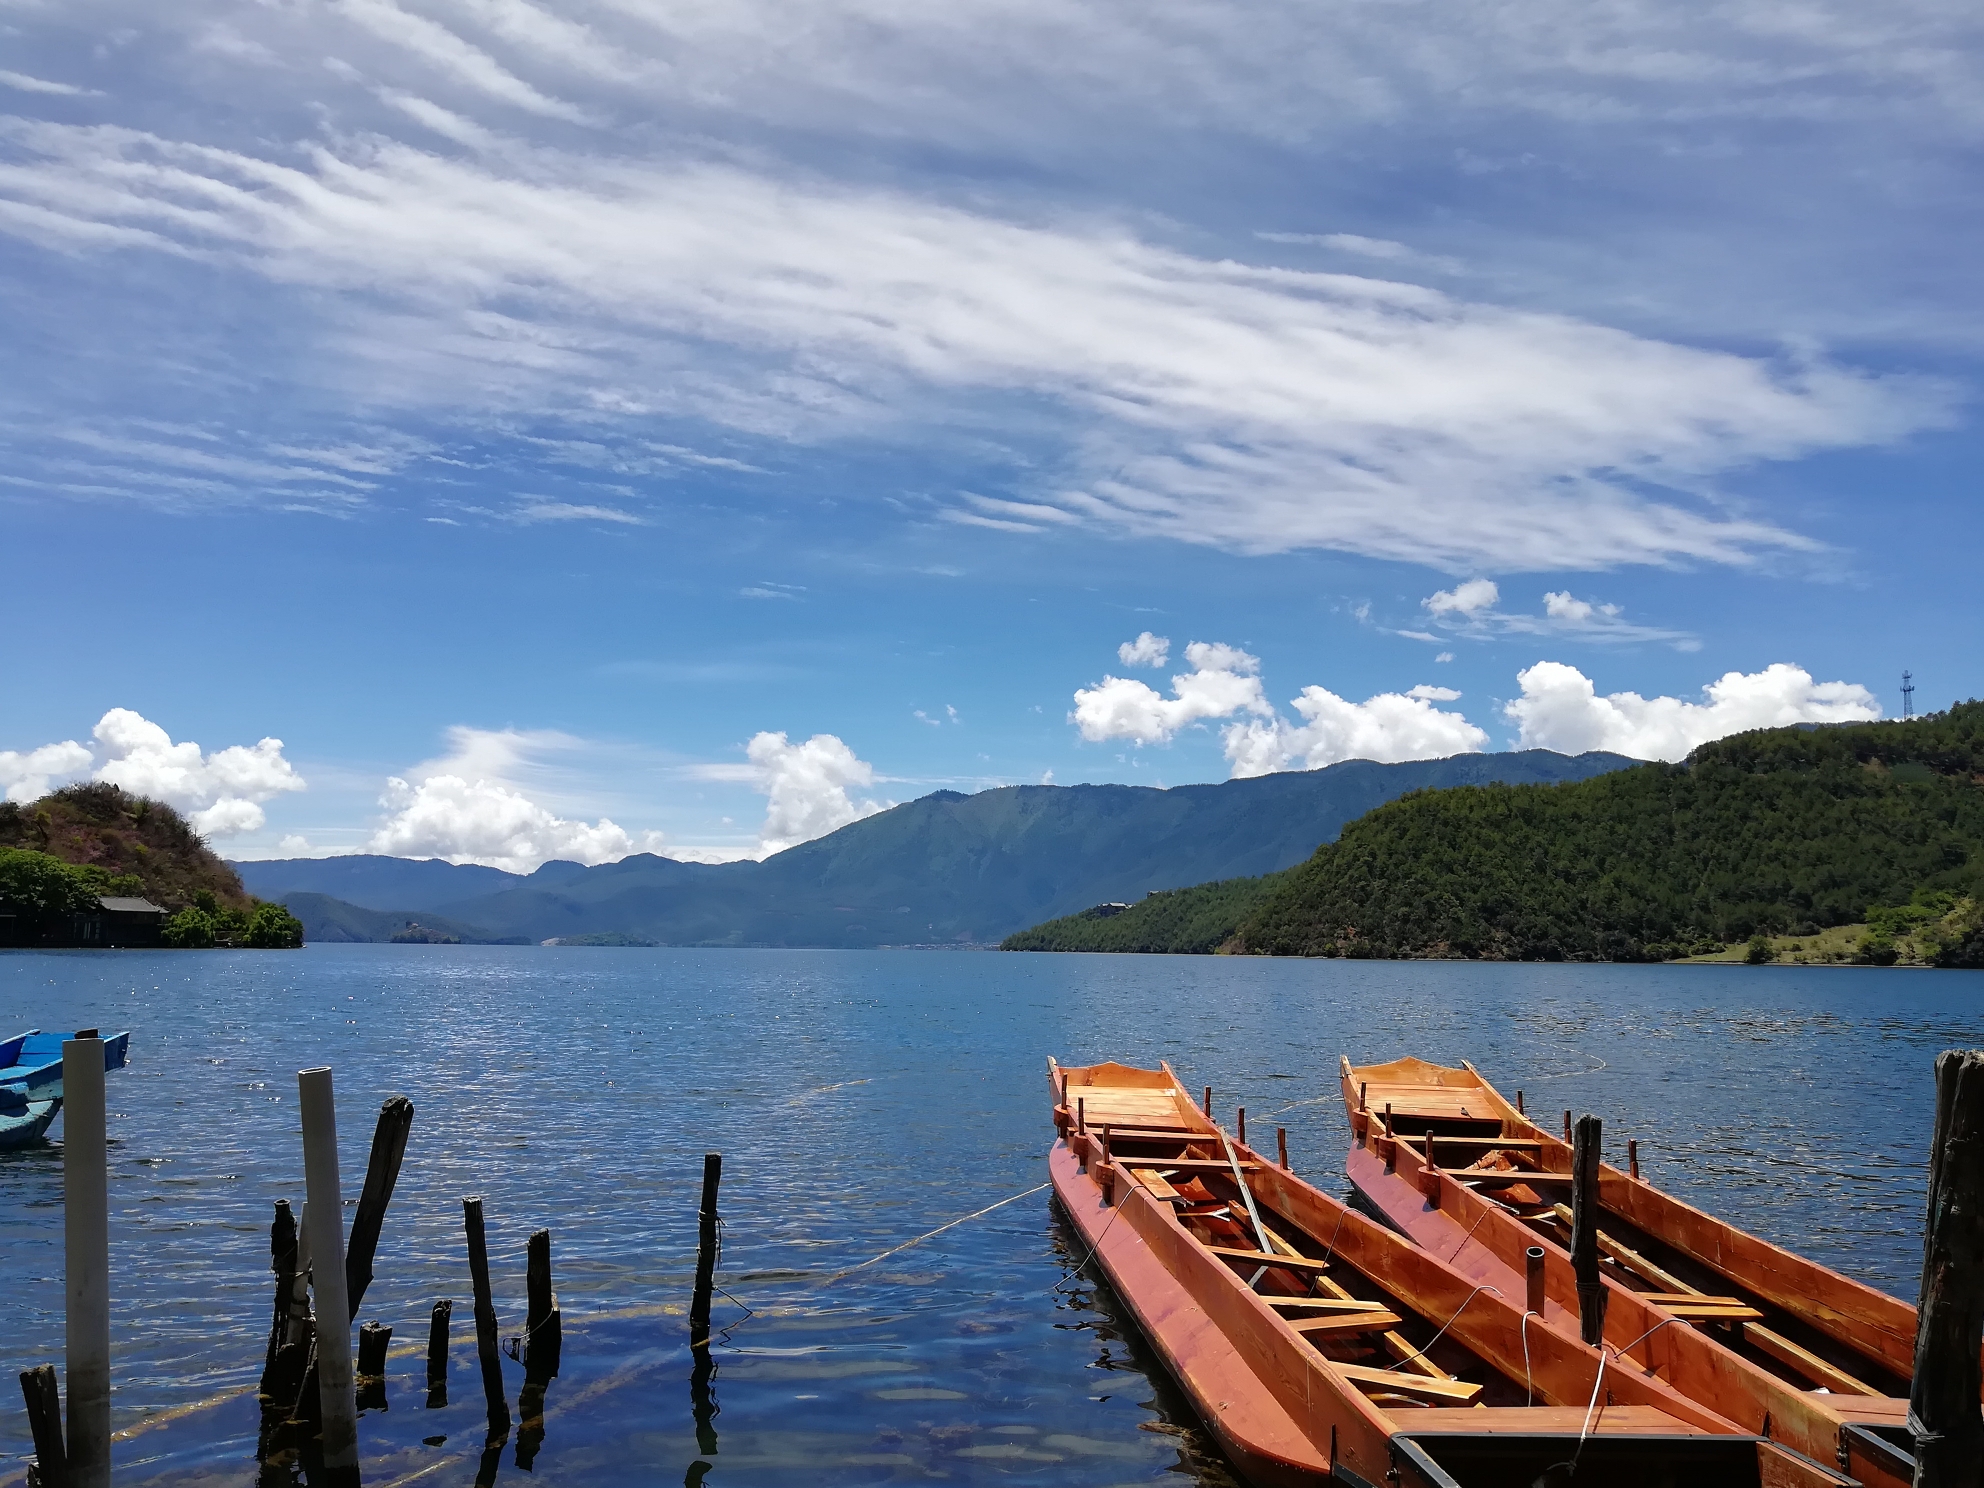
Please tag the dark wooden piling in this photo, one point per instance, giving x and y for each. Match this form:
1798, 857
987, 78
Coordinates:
1532, 1264
1207, 1106
370, 1375
485, 1318
282, 1261
1281, 1145
706, 1246
1585, 1144
1241, 1125
1567, 1126
44, 1401
544, 1327
1942, 1402
382, 1172
1391, 1143
437, 1353
1633, 1158
1519, 1109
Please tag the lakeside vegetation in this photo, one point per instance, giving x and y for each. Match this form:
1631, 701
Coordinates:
59, 854
1775, 836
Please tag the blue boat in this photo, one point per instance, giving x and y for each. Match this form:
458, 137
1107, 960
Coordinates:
31, 1082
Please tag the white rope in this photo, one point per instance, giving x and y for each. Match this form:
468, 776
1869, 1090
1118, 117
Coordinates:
1421, 1353
1528, 1379
938, 1231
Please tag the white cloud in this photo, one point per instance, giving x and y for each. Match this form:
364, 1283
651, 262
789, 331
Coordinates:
1253, 408
221, 793
28, 775
22, 82
1222, 682
1388, 728
1146, 650
485, 821
1444, 656
807, 788
1466, 600
1560, 709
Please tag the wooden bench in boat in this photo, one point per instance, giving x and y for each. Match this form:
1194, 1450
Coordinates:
1697, 1308
1270, 1258
1189, 1164
1344, 1324
1329, 1304
1507, 1175
1409, 1384
1553, 1420
1153, 1182
1150, 1133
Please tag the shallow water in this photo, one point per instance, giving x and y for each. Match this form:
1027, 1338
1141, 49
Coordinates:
859, 1099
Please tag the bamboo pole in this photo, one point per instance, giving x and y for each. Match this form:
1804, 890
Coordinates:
1584, 1228
1942, 1402
44, 1402
86, 1240
485, 1319
382, 1172
325, 1218
706, 1245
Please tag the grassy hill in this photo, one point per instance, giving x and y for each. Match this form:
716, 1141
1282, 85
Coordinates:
1781, 833
145, 844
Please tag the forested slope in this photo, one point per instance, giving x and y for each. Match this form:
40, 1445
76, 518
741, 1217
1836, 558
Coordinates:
1783, 831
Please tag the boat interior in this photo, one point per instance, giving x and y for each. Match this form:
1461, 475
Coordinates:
1374, 1308
1455, 1121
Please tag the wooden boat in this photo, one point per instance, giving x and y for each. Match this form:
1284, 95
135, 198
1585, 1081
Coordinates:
31, 1082
1320, 1346
1777, 1343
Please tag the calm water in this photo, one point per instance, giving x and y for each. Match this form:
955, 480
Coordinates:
859, 1100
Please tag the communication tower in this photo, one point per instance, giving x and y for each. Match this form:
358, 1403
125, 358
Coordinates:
1907, 695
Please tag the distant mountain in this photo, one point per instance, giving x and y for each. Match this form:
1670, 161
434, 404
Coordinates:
946, 869
331, 920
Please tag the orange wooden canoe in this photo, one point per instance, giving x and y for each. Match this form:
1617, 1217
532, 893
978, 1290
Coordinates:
1320, 1346
1776, 1342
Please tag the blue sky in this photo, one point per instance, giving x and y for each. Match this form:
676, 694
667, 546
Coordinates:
552, 400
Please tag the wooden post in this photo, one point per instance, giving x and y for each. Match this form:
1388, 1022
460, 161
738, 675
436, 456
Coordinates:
706, 1248
543, 1323
44, 1400
1081, 1114
382, 1172
1281, 1145
373, 1340
282, 1261
1519, 1109
437, 1353
1207, 1108
1391, 1142
485, 1319
1532, 1263
1242, 1125
86, 1226
1567, 1126
1633, 1157
325, 1217
1942, 1402
1363, 1095
1584, 1229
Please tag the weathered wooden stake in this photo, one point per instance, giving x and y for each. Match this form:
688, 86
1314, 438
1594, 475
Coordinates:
86, 1225
1241, 1125
373, 1341
706, 1242
282, 1261
1584, 1228
1567, 1126
1532, 1263
1081, 1114
437, 1353
1633, 1158
544, 1325
325, 1217
382, 1172
1519, 1109
485, 1319
1942, 1402
1207, 1107
1281, 1145
44, 1398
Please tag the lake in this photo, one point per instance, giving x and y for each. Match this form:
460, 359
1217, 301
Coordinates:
860, 1099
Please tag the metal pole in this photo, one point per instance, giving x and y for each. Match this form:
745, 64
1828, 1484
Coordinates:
86, 1225
324, 1217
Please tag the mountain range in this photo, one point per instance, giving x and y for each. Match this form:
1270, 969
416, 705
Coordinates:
945, 869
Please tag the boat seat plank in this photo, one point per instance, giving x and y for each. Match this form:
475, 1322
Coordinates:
1506, 1175
1153, 1181
1710, 1312
1268, 1258
1149, 1133
1344, 1324
1198, 1164
1551, 1420
1409, 1384
1328, 1304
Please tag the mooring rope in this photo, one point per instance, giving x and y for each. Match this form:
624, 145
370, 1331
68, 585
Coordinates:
894, 1250
1421, 1353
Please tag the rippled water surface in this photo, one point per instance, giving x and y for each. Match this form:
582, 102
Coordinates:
859, 1099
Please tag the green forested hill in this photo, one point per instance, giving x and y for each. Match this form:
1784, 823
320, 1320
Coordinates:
1783, 831
1191, 921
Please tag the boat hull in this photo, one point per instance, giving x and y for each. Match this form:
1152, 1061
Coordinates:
26, 1124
